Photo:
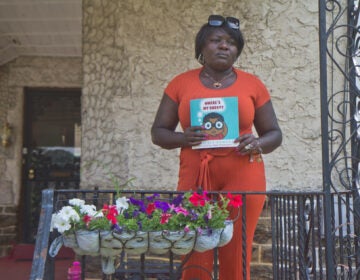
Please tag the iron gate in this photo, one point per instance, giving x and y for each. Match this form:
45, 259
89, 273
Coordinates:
340, 111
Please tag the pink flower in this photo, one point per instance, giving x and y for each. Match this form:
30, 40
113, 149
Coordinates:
165, 218
110, 212
87, 220
235, 200
209, 214
198, 199
181, 210
150, 208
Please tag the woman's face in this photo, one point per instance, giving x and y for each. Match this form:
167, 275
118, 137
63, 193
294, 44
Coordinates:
220, 50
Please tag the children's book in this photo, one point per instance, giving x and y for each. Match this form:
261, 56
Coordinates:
219, 117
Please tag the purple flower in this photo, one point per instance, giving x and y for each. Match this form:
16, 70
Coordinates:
139, 203
206, 218
194, 216
117, 228
140, 225
178, 199
136, 213
209, 231
152, 197
164, 206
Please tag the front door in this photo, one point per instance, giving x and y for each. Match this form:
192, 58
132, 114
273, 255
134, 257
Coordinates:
51, 151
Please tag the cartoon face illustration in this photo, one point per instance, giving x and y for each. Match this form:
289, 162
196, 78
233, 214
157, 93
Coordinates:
214, 126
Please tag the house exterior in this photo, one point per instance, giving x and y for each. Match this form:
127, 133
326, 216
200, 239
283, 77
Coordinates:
130, 50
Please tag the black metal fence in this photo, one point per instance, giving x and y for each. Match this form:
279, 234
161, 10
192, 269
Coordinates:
298, 238
298, 229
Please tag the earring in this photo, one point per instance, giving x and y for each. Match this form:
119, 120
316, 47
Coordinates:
201, 59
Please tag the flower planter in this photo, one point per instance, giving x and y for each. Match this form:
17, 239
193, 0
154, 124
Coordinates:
133, 242
226, 234
110, 244
104, 232
88, 241
217, 238
206, 241
178, 242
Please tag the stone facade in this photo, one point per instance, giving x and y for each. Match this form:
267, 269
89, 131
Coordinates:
44, 72
131, 50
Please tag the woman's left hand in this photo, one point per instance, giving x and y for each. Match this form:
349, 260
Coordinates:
248, 143
267, 127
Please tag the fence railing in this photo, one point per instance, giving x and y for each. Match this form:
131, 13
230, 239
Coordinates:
298, 238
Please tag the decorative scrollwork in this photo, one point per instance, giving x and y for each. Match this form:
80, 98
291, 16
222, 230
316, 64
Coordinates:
343, 137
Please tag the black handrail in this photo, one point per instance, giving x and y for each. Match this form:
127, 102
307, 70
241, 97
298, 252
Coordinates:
43, 236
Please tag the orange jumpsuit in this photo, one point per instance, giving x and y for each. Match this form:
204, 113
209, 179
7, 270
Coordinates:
222, 169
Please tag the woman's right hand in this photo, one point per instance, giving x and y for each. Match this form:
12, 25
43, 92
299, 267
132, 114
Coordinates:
193, 136
163, 130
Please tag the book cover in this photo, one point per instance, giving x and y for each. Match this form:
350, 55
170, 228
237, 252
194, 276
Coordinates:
220, 118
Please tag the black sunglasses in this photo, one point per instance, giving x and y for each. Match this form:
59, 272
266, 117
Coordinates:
217, 20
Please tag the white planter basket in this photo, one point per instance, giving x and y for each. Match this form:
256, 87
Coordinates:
110, 244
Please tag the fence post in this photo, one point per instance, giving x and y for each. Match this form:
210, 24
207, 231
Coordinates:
330, 272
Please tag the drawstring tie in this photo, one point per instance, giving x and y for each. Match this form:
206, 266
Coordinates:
204, 173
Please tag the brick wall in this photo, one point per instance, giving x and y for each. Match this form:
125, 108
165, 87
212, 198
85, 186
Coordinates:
261, 263
8, 228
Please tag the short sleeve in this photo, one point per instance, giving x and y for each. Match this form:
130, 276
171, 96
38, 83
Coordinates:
262, 94
172, 89
183, 85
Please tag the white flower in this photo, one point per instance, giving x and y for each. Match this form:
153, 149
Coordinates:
76, 202
53, 217
209, 213
69, 214
60, 223
122, 204
88, 209
99, 214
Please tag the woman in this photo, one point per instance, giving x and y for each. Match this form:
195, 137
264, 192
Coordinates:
218, 44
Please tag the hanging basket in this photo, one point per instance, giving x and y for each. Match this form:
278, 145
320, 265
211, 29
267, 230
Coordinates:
178, 242
110, 244
134, 242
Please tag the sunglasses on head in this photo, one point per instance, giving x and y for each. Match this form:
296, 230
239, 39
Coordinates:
217, 21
